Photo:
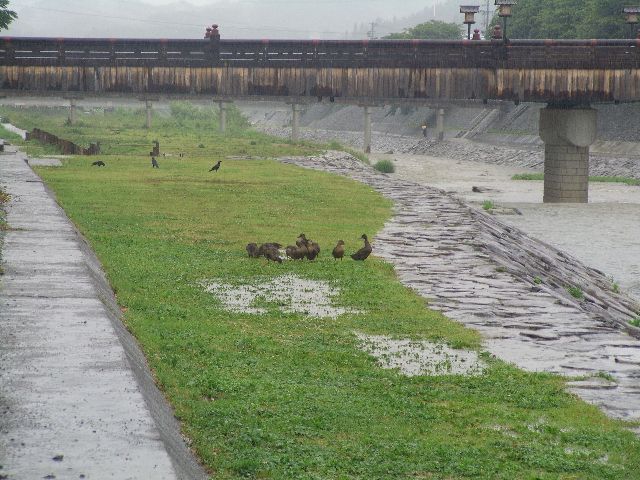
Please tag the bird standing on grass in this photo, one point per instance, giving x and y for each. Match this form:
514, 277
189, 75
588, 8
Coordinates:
252, 250
99, 163
338, 251
154, 163
313, 250
270, 253
365, 251
216, 167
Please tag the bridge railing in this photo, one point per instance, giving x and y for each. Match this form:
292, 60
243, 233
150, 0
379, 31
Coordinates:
324, 53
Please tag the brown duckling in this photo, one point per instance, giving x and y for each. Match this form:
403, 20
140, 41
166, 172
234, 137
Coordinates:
365, 251
338, 252
296, 253
301, 241
252, 250
272, 254
268, 246
313, 250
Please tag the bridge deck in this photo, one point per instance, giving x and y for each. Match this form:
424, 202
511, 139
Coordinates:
573, 71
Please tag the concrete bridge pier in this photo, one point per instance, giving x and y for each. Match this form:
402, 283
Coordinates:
295, 122
72, 111
367, 129
222, 116
440, 124
149, 109
567, 134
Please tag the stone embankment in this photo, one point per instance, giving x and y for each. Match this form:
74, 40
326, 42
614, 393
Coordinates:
509, 286
458, 149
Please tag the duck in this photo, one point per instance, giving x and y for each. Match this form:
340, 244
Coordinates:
301, 241
252, 250
313, 250
365, 251
296, 253
338, 251
272, 254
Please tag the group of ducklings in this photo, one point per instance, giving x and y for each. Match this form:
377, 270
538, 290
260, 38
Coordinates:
305, 248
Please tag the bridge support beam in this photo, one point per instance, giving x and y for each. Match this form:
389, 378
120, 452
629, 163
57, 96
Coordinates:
222, 116
295, 122
149, 109
440, 124
72, 111
367, 129
567, 134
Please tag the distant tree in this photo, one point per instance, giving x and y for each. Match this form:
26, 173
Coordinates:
568, 19
6, 16
432, 30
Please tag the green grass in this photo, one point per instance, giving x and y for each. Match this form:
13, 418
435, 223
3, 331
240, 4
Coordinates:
540, 176
488, 205
283, 396
385, 166
576, 292
635, 322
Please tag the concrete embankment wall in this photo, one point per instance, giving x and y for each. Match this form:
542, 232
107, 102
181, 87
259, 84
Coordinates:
507, 123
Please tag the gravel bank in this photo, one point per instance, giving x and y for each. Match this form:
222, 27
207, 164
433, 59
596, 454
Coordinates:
531, 158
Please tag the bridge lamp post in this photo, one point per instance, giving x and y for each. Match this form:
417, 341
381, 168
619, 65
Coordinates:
631, 14
469, 16
505, 11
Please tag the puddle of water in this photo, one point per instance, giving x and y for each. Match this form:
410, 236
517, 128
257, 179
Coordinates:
292, 294
414, 358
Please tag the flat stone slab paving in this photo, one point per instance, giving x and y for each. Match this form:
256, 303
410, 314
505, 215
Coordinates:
72, 404
484, 274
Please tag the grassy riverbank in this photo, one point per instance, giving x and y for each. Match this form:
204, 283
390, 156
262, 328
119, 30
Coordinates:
282, 395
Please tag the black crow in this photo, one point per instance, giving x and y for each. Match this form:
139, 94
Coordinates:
216, 167
99, 163
154, 162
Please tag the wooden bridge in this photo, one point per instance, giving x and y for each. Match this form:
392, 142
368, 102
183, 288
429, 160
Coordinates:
568, 75
557, 71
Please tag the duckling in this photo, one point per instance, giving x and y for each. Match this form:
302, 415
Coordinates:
301, 241
313, 250
296, 253
272, 254
338, 252
268, 246
252, 250
365, 251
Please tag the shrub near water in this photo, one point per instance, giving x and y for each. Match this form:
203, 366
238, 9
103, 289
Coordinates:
385, 166
285, 396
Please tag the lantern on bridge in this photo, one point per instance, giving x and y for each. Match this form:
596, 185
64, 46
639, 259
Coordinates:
469, 16
505, 11
631, 14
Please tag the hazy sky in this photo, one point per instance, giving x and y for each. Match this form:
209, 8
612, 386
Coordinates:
187, 18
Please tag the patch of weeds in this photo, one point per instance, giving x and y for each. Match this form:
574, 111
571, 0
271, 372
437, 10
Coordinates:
501, 269
359, 155
576, 292
635, 322
615, 287
537, 281
488, 205
201, 145
385, 166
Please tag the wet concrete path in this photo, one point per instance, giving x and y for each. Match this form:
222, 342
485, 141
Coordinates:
72, 402
485, 274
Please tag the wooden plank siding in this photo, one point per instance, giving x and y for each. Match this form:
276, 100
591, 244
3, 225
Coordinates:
536, 85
